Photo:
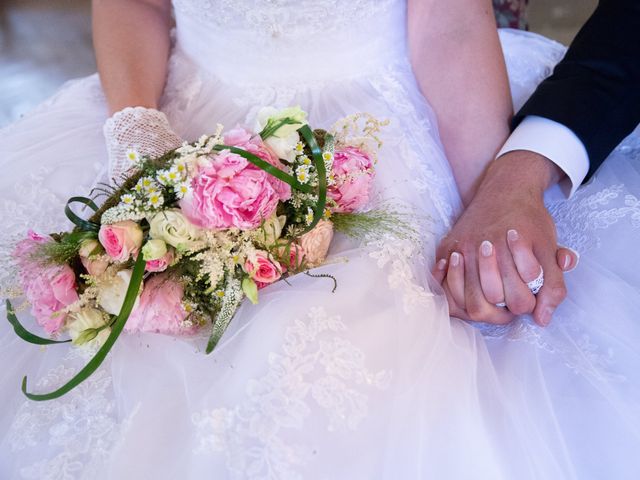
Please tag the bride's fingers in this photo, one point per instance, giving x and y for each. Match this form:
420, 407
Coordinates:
455, 278
476, 304
439, 270
518, 297
454, 309
526, 262
490, 278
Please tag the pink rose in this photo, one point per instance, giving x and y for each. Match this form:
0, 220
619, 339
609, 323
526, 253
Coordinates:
161, 264
48, 288
296, 257
316, 242
241, 138
121, 240
230, 192
354, 173
160, 309
263, 271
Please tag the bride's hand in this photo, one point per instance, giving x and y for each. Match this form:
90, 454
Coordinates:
138, 131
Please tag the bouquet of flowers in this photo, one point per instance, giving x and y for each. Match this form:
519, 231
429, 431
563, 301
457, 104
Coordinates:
184, 238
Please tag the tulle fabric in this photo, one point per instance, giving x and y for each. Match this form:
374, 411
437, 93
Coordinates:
372, 381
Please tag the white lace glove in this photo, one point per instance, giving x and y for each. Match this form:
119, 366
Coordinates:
143, 130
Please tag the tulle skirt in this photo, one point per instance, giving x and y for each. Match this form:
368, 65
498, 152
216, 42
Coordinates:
374, 380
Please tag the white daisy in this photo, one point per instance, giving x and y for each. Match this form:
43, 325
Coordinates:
132, 155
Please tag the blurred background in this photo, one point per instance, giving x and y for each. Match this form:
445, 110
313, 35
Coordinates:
43, 43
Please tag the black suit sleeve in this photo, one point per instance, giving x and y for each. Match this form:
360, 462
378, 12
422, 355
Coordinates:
595, 89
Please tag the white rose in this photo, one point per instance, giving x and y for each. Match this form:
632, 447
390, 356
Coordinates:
83, 327
269, 115
174, 228
284, 148
270, 230
111, 292
153, 250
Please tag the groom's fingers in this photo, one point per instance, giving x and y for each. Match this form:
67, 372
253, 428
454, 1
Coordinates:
553, 291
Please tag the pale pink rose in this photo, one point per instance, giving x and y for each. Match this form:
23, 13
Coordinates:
160, 309
241, 138
121, 240
230, 192
316, 243
263, 271
354, 173
48, 288
296, 257
161, 264
95, 265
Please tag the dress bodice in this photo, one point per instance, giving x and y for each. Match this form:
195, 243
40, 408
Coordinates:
280, 40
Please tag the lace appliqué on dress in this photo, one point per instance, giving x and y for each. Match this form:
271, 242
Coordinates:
317, 369
80, 427
580, 218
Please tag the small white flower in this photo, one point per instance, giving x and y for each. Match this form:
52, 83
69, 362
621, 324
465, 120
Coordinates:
308, 218
162, 177
155, 200
327, 156
299, 148
132, 155
302, 173
305, 160
128, 200
182, 189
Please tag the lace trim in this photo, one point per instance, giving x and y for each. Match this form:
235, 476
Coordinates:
317, 368
283, 17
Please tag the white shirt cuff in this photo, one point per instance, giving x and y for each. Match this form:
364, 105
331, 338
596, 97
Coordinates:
556, 142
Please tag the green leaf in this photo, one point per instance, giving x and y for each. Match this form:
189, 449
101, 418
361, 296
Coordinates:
272, 126
23, 333
101, 354
316, 153
81, 223
250, 289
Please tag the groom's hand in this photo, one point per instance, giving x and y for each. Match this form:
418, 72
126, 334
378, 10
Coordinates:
502, 239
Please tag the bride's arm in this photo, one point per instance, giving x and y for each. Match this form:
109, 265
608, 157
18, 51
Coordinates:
131, 40
458, 62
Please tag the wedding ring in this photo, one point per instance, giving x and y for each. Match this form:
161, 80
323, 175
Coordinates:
534, 285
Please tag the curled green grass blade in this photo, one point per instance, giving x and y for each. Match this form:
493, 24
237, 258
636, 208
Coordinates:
81, 223
23, 333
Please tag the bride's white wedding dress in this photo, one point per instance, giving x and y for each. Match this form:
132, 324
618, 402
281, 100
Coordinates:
374, 381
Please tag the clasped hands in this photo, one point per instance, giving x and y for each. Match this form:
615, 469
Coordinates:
501, 242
